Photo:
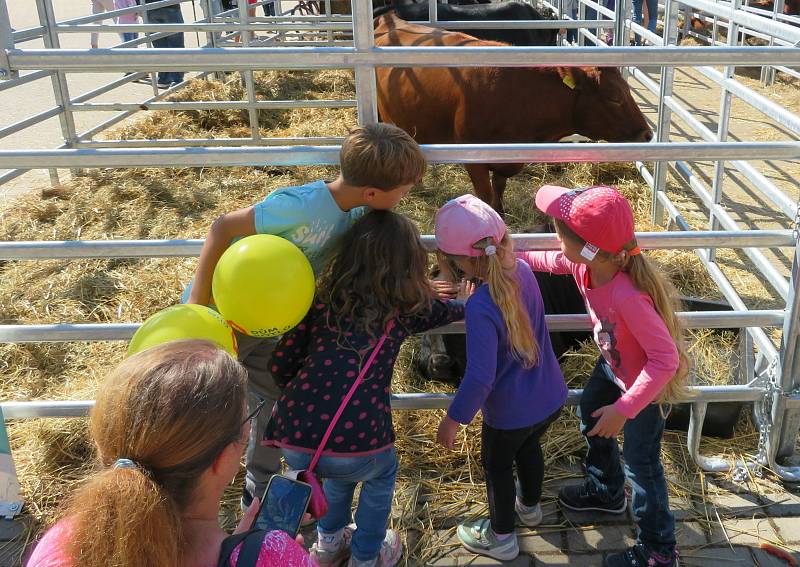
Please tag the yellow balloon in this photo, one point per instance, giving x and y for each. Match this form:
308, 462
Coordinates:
184, 322
263, 285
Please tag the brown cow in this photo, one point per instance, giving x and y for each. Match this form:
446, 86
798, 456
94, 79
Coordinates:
500, 104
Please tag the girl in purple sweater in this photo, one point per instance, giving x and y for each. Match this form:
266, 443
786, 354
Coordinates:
642, 364
512, 375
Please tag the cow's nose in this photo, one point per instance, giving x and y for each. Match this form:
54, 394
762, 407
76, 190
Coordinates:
645, 135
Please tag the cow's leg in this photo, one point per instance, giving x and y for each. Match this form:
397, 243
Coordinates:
500, 175
498, 188
479, 175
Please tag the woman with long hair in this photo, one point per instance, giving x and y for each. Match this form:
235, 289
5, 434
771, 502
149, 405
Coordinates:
170, 426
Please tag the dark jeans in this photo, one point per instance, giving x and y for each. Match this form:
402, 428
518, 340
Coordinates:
168, 15
642, 453
500, 450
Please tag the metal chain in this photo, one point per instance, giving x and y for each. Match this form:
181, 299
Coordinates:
796, 223
771, 389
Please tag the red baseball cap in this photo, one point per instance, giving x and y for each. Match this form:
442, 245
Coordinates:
598, 214
465, 220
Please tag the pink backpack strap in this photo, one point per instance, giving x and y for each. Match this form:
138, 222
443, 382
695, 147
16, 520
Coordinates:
346, 400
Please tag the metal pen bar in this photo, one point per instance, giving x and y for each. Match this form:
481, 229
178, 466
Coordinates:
6, 43
207, 142
234, 59
205, 27
50, 250
722, 136
22, 80
30, 121
366, 82
767, 269
400, 401
516, 24
252, 113
435, 153
213, 105
727, 11
66, 332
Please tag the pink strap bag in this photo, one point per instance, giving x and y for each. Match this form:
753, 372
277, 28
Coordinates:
318, 504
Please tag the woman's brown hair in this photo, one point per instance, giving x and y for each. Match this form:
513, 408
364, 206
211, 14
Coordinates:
378, 273
500, 272
650, 280
172, 410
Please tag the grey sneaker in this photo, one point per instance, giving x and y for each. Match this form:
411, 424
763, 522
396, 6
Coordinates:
478, 537
390, 554
326, 558
531, 516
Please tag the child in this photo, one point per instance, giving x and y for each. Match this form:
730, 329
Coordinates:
379, 165
132, 18
512, 374
642, 364
375, 287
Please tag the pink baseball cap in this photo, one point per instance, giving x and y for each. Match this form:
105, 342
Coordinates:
465, 220
598, 214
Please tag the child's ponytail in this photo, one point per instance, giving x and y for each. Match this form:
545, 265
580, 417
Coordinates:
647, 278
505, 292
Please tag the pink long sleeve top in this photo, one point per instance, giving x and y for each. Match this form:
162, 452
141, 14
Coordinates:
630, 333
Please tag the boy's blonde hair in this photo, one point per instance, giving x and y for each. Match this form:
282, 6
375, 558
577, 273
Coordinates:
381, 156
650, 280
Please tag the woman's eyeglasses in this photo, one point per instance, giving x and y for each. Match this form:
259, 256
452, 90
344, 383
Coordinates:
254, 413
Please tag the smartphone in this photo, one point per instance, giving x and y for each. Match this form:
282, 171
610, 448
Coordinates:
283, 505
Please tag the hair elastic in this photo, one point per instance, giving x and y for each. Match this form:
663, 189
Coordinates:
125, 464
635, 251
490, 250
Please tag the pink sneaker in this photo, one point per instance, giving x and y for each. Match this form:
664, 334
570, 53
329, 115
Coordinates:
390, 554
337, 558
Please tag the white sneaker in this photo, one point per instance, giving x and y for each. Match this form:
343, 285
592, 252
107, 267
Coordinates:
390, 553
531, 516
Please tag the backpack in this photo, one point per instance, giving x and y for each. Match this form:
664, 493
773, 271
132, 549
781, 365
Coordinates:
251, 546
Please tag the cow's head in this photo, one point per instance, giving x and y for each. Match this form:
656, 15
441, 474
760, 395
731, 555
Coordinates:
604, 107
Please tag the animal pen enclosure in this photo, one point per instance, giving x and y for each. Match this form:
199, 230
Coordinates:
317, 42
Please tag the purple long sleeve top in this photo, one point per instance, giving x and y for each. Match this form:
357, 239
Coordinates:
509, 395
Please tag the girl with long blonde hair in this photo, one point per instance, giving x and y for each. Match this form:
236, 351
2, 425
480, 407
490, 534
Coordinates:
170, 425
512, 374
643, 363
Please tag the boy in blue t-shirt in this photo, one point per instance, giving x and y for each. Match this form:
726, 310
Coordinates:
379, 163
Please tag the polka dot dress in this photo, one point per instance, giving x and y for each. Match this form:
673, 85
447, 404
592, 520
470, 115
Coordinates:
317, 366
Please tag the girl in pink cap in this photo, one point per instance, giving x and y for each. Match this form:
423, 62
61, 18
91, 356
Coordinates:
642, 366
512, 375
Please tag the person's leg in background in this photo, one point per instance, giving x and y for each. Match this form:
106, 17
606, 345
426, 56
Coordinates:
98, 7
652, 15
638, 18
261, 462
168, 15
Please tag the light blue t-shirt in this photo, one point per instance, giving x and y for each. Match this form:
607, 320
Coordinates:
308, 217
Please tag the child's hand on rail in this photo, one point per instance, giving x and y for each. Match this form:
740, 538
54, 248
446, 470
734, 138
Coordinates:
609, 424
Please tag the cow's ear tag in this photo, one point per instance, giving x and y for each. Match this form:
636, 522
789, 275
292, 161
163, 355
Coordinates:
569, 80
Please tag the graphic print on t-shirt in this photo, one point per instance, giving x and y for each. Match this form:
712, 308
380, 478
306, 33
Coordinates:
604, 336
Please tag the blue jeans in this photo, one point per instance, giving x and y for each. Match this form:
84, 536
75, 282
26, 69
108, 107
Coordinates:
168, 15
642, 453
377, 473
638, 15
129, 36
